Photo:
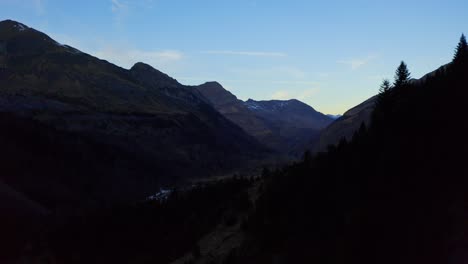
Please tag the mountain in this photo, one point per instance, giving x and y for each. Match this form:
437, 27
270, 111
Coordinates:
87, 128
284, 126
293, 122
346, 125
394, 193
334, 117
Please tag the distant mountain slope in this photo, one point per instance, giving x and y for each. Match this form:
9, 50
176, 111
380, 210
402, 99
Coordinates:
294, 122
235, 110
289, 111
284, 126
346, 125
334, 116
154, 126
349, 122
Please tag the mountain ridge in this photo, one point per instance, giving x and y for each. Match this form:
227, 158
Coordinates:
283, 125
146, 117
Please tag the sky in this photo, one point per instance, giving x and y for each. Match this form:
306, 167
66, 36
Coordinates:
330, 54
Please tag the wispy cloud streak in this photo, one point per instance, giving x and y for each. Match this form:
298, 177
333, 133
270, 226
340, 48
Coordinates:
117, 5
302, 95
246, 53
359, 62
126, 58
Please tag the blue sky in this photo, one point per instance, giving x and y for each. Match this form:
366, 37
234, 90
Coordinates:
330, 54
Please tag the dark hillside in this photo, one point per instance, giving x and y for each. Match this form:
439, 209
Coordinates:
395, 193
114, 131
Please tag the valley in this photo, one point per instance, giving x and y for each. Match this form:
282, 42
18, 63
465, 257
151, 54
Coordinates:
102, 164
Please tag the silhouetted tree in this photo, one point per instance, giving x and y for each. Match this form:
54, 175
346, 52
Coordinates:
385, 86
307, 158
402, 75
362, 129
266, 172
461, 52
196, 252
342, 143
382, 101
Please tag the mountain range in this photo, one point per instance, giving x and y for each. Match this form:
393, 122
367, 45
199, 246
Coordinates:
88, 149
284, 126
128, 131
121, 134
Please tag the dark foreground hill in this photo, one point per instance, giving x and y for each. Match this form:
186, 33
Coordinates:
394, 193
345, 125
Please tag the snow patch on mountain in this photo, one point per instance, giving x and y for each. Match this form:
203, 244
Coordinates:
162, 195
252, 105
20, 27
334, 116
275, 105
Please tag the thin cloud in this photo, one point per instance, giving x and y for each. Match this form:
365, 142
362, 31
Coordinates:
127, 58
147, 4
307, 94
276, 72
358, 63
117, 5
39, 6
201, 79
281, 95
123, 9
302, 95
246, 53
134, 5
295, 82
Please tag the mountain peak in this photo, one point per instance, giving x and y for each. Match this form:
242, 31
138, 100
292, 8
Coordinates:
216, 94
12, 26
148, 75
21, 39
142, 66
213, 85
9, 27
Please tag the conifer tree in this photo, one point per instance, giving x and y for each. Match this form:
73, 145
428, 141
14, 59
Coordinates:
461, 52
402, 75
307, 157
385, 86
